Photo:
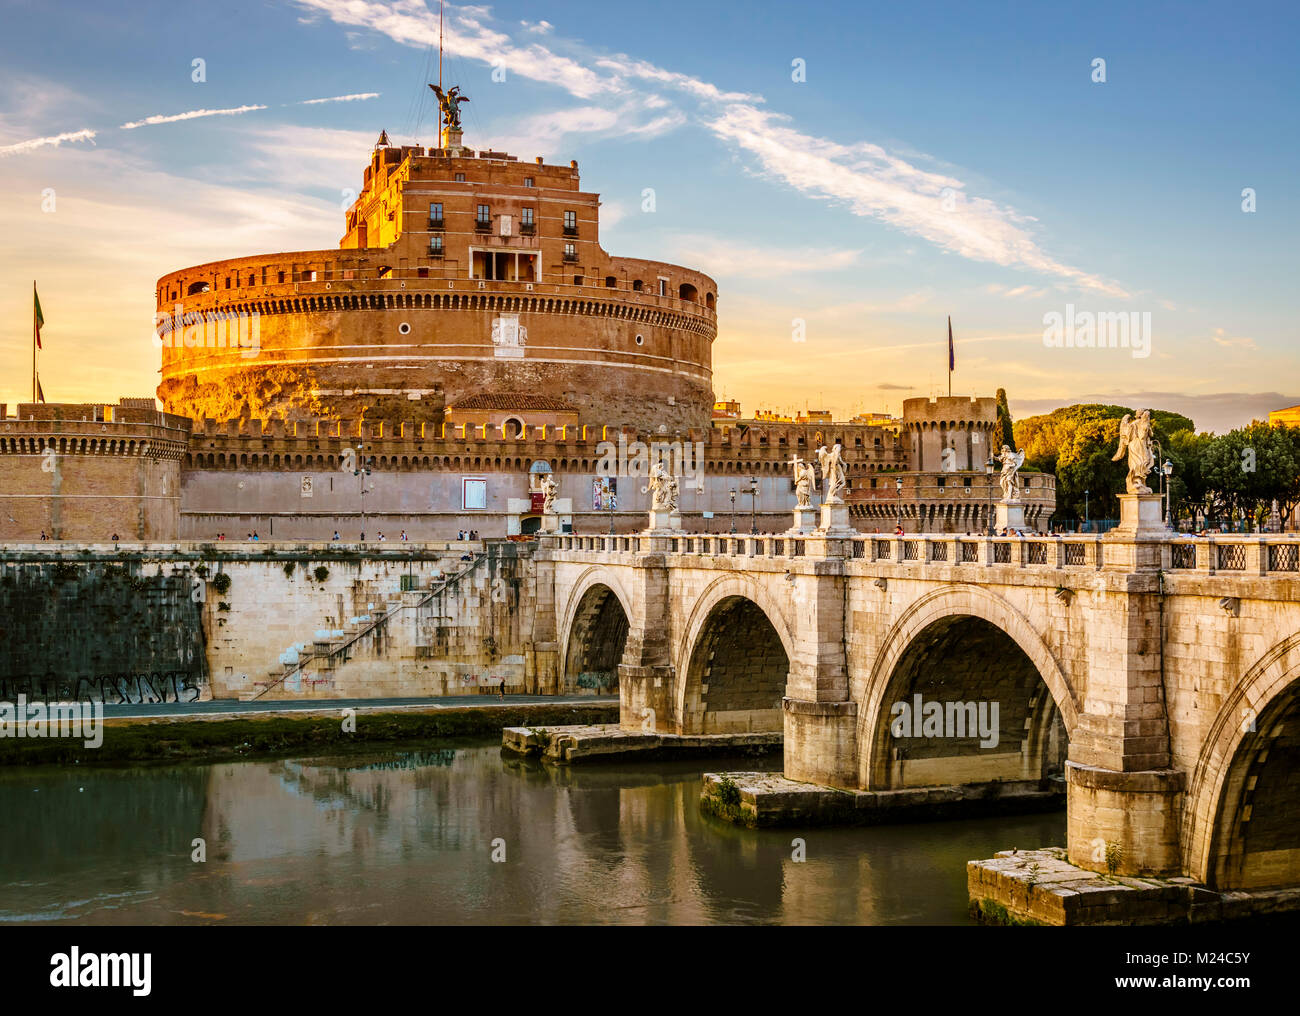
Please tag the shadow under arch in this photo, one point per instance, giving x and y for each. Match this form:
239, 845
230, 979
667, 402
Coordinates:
733, 660
594, 633
1240, 829
966, 650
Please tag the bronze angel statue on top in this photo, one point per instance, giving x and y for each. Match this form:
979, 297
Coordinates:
450, 101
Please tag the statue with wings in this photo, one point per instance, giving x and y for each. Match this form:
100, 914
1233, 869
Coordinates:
832, 463
1009, 480
449, 101
1135, 439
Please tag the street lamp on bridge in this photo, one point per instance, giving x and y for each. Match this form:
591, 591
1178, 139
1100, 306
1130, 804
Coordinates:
989, 466
898, 486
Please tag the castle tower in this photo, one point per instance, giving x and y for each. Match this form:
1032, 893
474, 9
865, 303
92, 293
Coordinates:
461, 275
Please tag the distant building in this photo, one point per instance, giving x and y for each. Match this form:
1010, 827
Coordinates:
1289, 417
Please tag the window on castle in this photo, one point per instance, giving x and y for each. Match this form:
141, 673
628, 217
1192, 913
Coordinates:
528, 181
484, 215
526, 217
570, 223
637, 285
460, 177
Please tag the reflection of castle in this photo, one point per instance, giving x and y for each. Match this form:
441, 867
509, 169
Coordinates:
469, 326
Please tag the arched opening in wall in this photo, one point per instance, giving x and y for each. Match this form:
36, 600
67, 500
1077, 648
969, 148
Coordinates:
737, 673
513, 428
597, 639
710, 300
688, 292
197, 287
530, 524
966, 705
1256, 841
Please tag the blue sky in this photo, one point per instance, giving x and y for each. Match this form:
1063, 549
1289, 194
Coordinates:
938, 159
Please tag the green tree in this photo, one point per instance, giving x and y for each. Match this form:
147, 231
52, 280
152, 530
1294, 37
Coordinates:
1249, 468
1005, 432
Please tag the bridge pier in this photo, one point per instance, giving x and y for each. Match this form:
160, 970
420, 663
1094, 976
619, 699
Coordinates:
1124, 823
821, 742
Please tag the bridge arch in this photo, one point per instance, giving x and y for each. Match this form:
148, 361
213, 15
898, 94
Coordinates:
733, 660
964, 644
1240, 829
596, 622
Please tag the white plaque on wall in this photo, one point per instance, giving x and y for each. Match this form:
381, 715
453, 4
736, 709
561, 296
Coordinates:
508, 336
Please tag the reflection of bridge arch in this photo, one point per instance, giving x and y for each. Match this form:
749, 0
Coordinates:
1240, 827
733, 660
962, 644
596, 622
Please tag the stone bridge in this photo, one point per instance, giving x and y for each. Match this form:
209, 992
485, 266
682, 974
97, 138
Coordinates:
1160, 675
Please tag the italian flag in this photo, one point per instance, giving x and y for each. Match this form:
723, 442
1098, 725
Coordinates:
38, 316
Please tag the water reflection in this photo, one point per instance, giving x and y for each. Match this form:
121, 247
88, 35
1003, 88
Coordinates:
408, 838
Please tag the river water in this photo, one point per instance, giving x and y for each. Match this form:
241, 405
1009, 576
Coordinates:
409, 837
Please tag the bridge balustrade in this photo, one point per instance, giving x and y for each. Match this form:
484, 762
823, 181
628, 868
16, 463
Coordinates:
1250, 554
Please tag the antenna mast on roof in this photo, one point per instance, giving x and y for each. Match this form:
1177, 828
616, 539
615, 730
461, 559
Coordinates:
440, 9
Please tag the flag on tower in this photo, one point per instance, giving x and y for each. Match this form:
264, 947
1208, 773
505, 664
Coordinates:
38, 316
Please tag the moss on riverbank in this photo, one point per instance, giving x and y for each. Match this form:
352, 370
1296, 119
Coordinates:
256, 736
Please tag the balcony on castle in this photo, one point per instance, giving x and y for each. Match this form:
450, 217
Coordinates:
435, 223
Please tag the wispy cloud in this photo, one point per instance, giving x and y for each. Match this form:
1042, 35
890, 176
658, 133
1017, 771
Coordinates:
357, 97
875, 184
53, 141
193, 114
1233, 342
731, 257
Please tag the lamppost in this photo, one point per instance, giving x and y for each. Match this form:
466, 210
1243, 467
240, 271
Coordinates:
1087, 528
362, 470
733, 511
989, 466
898, 487
1168, 469
753, 505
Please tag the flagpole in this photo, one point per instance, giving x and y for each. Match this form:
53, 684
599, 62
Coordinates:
34, 298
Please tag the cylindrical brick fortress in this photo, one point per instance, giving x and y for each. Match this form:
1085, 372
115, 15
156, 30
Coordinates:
490, 280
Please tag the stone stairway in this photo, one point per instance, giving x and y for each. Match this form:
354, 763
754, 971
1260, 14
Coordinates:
308, 668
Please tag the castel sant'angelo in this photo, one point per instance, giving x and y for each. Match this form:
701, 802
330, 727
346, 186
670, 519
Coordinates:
468, 337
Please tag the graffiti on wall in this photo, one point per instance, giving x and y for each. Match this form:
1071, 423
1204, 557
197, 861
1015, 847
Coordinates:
123, 687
